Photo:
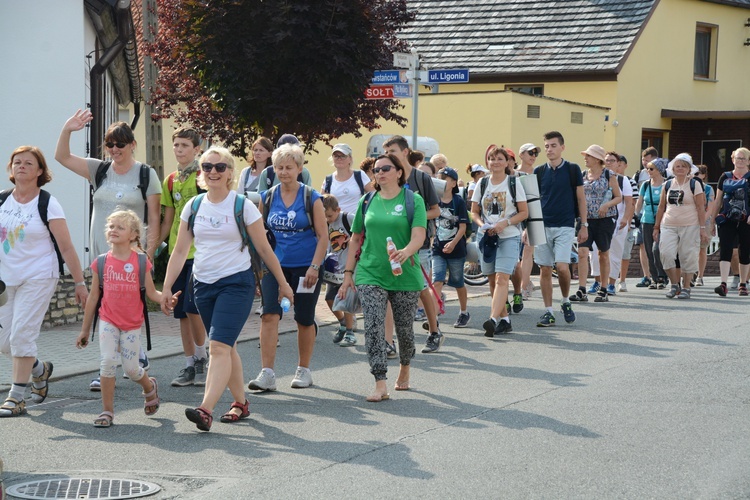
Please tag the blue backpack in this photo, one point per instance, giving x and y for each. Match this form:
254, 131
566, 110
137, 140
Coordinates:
735, 197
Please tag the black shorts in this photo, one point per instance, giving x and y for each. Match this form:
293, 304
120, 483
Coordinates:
184, 283
600, 232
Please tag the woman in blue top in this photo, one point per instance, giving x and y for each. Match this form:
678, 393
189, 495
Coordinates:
648, 202
301, 244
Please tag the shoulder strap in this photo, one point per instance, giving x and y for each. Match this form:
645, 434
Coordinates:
194, 211
142, 281
667, 184
244, 176
4, 195
100, 261
366, 203
409, 204
329, 181
239, 217
512, 189
267, 203
101, 173
270, 176
483, 182
145, 177
170, 185
360, 183
621, 181
309, 206
43, 207
345, 222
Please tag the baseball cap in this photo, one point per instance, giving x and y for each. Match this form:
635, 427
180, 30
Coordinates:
287, 139
528, 147
342, 148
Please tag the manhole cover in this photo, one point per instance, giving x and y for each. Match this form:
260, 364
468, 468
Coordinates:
79, 487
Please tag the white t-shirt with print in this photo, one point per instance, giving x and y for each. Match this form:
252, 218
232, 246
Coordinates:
347, 192
497, 204
217, 238
27, 249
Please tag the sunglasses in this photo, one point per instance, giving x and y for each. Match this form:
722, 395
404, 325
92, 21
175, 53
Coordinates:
120, 145
533, 152
384, 168
650, 168
220, 167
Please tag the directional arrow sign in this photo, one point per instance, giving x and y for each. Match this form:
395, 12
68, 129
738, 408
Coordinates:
448, 76
379, 92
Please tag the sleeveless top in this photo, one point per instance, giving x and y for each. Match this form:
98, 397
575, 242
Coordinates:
597, 193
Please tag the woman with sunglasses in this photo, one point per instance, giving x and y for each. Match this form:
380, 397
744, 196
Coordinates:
223, 278
386, 216
647, 205
120, 188
528, 154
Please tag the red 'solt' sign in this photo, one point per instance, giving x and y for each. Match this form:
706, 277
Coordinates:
379, 92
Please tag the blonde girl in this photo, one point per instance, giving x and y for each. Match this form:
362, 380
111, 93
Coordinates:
121, 312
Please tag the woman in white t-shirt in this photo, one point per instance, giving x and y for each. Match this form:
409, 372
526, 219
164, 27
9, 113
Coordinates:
498, 214
30, 269
345, 184
223, 278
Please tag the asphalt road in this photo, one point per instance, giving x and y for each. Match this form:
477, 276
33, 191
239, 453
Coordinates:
643, 397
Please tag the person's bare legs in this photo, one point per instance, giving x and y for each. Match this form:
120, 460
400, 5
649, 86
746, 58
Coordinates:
583, 267
236, 383
644, 260
220, 371
269, 337
545, 283
305, 343
563, 278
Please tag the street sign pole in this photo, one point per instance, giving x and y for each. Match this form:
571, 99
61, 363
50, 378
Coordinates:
415, 101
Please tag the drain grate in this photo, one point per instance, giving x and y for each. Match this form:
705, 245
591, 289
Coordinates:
77, 487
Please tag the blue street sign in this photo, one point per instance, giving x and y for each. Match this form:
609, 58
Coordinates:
386, 77
448, 76
401, 90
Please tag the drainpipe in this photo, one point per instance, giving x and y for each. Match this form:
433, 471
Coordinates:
122, 16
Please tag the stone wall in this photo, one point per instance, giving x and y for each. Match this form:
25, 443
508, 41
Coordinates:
63, 309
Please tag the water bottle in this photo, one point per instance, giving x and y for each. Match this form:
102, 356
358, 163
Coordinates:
395, 265
285, 304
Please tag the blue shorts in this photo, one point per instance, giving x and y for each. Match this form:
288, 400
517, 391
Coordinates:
455, 268
224, 306
557, 249
184, 283
506, 257
304, 303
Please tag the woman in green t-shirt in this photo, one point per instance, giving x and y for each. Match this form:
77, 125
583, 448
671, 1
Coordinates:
387, 215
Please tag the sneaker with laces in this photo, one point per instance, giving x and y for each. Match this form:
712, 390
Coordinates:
611, 289
462, 321
528, 291
622, 287
489, 328
200, 372
579, 296
265, 381
517, 303
653, 286
644, 283
743, 290
390, 350
735, 281
302, 378
503, 328
420, 315
95, 385
595, 287
673, 291
185, 378
699, 282
568, 313
434, 341
426, 326
684, 293
721, 290
662, 284
348, 340
548, 319
339, 334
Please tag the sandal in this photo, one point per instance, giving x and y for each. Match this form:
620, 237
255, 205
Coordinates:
401, 386
105, 419
12, 407
201, 417
151, 406
39, 395
229, 417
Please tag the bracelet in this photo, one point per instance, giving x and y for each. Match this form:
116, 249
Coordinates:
348, 271
315, 267
80, 283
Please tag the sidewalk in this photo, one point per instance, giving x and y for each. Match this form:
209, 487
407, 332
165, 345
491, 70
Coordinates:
58, 345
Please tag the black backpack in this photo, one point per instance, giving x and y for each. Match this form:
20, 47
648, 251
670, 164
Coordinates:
357, 177
42, 206
143, 181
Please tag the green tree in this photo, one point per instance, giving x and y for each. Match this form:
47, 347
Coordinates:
239, 69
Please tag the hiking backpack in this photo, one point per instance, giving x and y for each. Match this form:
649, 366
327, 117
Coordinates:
144, 176
100, 261
573, 180
42, 206
735, 197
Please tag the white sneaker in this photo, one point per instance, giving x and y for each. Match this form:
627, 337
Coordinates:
302, 378
263, 382
259, 310
622, 287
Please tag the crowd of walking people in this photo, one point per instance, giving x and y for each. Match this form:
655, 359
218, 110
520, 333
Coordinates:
384, 240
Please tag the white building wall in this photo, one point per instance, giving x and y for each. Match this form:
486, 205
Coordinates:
43, 51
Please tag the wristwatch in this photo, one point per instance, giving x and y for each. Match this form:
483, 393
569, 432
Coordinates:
315, 267
584, 224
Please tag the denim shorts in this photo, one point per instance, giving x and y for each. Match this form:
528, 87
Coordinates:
557, 249
225, 305
506, 257
454, 267
304, 303
184, 283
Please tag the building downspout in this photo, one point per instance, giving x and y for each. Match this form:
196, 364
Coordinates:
122, 15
